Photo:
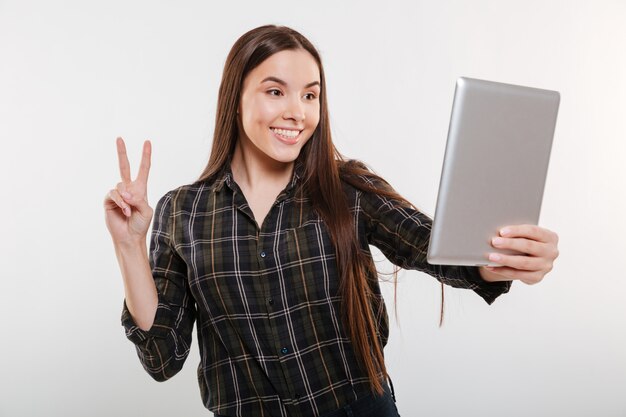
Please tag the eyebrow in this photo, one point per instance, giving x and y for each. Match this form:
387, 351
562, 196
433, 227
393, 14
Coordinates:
281, 82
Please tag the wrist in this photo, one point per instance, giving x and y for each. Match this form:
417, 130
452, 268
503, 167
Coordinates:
131, 247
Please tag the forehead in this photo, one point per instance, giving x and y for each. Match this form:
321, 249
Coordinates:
296, 67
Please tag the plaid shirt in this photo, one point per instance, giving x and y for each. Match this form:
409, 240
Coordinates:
271, 339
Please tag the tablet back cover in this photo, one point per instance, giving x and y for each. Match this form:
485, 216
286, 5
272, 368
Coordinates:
494, 169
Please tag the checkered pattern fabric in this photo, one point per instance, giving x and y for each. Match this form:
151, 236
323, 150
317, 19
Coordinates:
265, 297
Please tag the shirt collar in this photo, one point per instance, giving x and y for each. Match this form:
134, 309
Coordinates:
226, 177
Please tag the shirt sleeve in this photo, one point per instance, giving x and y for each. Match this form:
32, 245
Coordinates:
163, 348
403, 234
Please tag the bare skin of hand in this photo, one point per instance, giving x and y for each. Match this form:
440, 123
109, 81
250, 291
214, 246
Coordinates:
539, 248
127, 212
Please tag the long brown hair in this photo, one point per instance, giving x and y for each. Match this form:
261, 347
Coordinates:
325, 168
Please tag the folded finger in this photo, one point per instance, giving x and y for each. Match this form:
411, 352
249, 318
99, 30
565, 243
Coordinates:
117, 198
528, 277
521, 262
529, 231
124, 191
522, 245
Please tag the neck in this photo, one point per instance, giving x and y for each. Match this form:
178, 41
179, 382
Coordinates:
256, 171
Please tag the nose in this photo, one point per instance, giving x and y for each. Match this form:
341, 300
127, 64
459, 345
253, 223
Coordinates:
294, 110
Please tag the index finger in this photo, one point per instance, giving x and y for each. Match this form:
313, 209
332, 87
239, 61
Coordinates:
144, 166
123, 160
529, 231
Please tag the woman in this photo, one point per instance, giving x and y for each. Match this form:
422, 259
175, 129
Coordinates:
269, 251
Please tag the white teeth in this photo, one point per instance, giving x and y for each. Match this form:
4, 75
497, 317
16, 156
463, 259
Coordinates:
287, 133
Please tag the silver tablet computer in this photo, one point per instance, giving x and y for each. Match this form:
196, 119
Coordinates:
494, 168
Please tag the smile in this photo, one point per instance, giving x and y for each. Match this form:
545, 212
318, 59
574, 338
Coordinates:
287, 136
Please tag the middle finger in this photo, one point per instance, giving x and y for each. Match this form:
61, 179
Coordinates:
144, 167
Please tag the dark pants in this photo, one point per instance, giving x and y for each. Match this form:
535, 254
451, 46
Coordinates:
369, 406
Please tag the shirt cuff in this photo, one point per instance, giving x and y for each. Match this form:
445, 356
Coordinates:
489, 291
158, 329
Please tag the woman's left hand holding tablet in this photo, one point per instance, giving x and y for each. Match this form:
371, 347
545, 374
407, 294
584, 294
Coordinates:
538, 247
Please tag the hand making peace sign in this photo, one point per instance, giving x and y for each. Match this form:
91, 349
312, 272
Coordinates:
126, 208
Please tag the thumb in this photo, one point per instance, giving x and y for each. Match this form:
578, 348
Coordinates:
138, 203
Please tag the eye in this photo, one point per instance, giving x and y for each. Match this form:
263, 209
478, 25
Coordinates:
310, 96
274, 90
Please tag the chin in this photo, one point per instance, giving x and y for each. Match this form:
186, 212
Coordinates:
285, 155
285, 158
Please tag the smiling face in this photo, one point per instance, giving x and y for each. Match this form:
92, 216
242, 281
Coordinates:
279, 107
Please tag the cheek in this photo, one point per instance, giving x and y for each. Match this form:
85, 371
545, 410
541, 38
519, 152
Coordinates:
264, 112
251, 105
314, 116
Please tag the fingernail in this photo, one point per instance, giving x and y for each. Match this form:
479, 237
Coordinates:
125, 194
504, 231
126, 211
494, 257
497, 241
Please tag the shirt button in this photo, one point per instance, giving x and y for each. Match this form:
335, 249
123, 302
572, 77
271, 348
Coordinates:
263, 254
271, 301
284, 350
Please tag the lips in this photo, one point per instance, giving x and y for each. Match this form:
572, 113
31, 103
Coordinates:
286, 139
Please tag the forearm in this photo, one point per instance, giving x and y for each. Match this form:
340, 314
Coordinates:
158, 317
139, 287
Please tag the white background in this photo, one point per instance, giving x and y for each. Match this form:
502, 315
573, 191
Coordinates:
76, 74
